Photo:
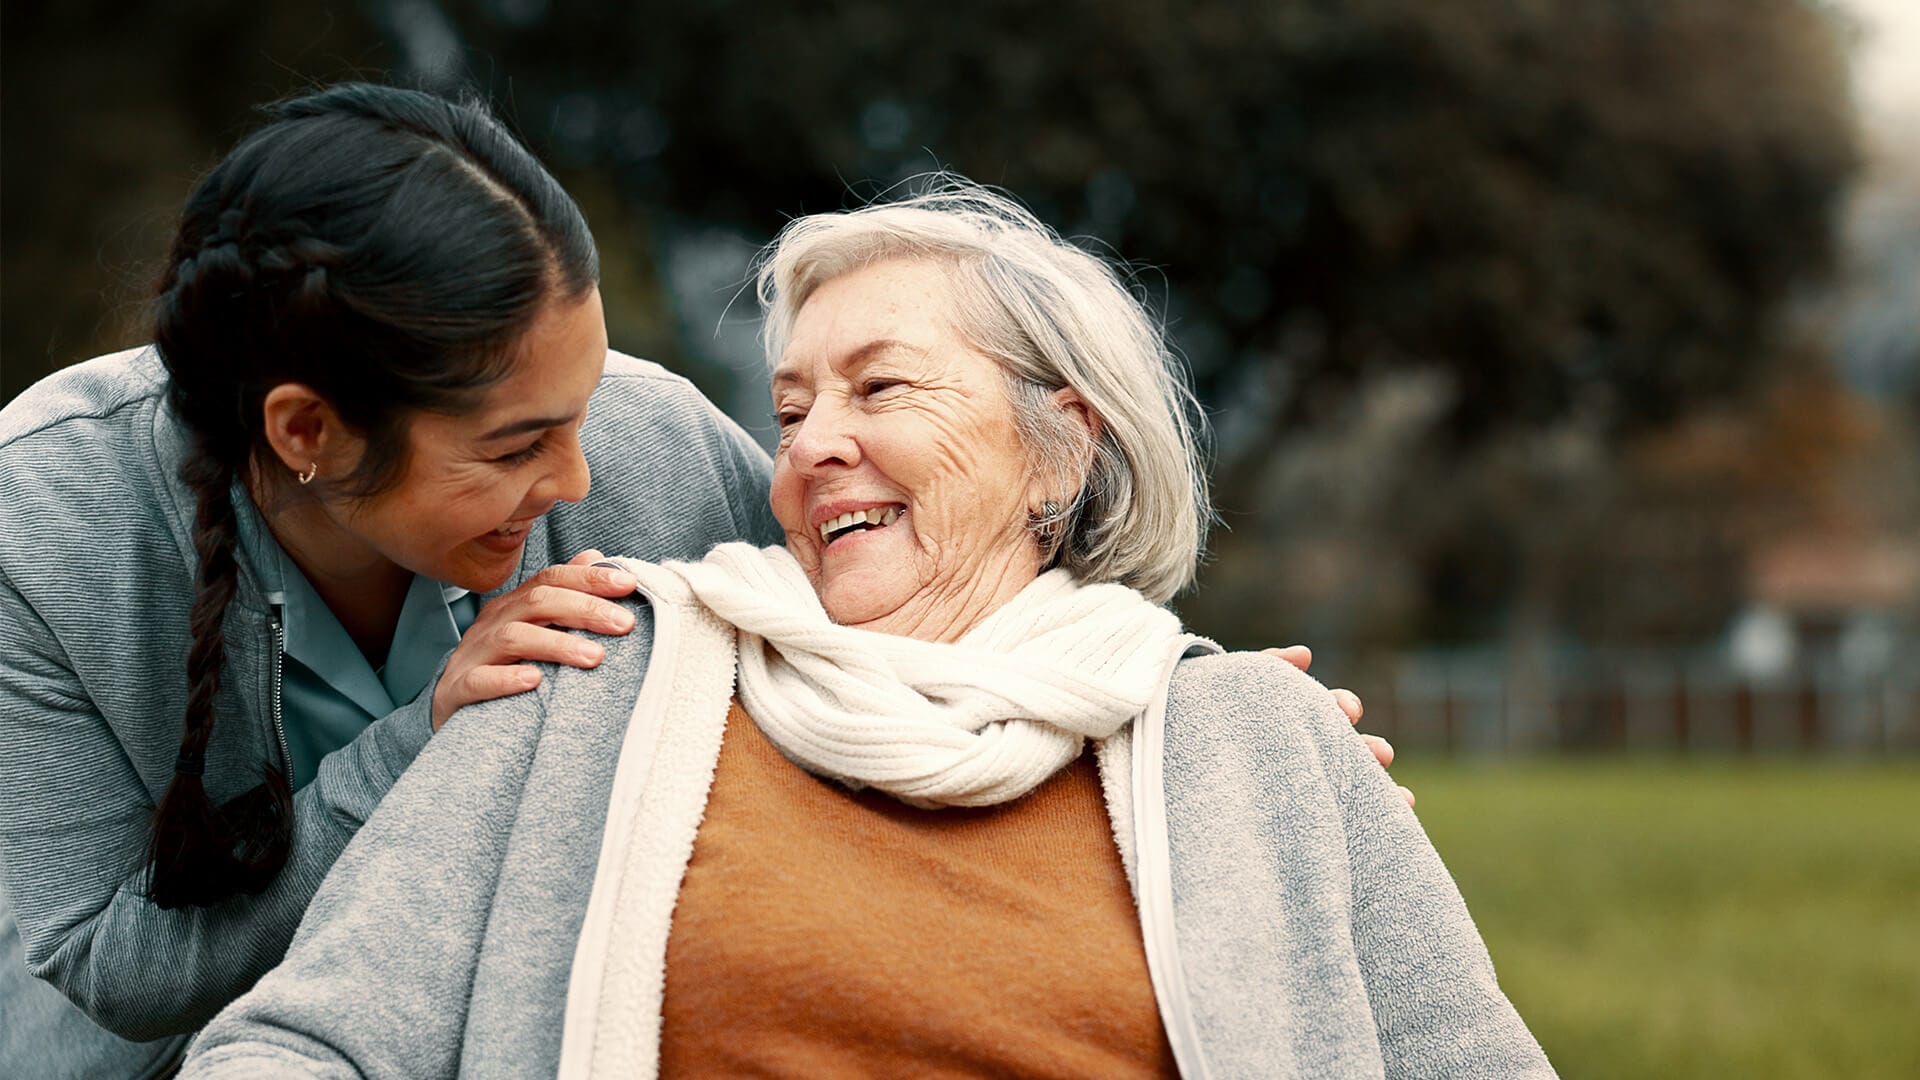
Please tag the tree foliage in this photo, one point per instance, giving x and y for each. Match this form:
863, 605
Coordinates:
1592, 207
112, 109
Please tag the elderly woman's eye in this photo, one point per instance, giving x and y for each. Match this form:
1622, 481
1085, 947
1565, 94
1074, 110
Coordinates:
875, 386
788, 418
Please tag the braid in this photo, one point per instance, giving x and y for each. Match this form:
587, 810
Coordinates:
214, 538
197, 854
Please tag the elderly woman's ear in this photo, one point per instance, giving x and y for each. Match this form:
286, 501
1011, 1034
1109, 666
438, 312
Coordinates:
1070, 401
1081, 416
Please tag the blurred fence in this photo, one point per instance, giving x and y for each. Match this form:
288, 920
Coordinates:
1475, 703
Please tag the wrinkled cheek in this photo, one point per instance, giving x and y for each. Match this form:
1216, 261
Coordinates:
808, 557
813, 579
783, 498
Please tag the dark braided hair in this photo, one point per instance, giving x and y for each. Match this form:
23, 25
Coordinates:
387, 248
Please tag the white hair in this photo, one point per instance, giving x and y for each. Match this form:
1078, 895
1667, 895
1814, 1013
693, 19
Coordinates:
1053, 316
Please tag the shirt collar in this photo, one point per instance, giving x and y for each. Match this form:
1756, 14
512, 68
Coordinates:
314, 636
425, 633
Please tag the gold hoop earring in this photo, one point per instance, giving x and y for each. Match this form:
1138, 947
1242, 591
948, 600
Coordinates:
305, 478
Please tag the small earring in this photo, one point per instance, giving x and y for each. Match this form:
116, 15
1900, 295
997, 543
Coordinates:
1045, 524
305, 478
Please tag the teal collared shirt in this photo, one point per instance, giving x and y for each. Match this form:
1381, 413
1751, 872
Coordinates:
329, 692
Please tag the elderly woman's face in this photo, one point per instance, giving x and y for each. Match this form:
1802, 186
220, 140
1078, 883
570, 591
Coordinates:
900, 479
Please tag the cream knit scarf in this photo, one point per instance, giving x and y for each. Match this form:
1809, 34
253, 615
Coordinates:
971, 723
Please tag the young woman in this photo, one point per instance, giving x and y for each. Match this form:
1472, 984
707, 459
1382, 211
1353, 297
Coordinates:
378, 340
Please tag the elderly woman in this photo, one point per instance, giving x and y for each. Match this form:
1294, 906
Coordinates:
938, 788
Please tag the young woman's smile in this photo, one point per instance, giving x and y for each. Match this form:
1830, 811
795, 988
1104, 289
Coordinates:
474, 483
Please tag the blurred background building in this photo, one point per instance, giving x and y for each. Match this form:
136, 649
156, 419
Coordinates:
1563, 360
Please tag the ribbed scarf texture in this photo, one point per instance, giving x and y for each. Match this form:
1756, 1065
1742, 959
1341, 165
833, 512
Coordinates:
971, 723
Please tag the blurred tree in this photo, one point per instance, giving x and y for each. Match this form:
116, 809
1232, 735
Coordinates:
1566, 207
113, 108
1587, 208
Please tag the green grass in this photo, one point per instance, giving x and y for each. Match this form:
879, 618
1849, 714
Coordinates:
1672, 919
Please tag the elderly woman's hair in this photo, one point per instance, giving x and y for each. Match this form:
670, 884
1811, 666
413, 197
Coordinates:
1053, 316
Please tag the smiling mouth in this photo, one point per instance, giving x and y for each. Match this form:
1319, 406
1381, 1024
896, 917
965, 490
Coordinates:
853, 521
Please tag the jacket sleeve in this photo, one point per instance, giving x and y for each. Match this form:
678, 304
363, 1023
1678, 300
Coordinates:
1437, 1005
378, 979
74, 818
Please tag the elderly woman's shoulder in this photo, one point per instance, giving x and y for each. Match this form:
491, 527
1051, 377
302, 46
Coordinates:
1248, 721
1259, 692
1245, 674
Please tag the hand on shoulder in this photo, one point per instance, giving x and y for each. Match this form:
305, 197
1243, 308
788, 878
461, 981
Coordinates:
1349, 703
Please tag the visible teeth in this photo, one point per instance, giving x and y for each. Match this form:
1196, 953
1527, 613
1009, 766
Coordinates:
877, 515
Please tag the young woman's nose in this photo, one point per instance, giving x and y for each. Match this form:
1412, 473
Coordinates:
570, 478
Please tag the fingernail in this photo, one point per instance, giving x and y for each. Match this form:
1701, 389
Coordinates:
621, 620
589, 654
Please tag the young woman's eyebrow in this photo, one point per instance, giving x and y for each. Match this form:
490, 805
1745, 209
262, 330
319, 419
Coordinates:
521, 427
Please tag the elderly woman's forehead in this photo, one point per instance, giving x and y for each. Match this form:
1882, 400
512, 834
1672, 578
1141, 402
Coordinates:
896, 298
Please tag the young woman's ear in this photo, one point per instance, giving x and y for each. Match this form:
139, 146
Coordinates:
306, 435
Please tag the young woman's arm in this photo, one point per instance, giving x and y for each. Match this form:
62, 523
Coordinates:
73, 832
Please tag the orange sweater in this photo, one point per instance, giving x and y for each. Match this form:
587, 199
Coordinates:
821, 931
